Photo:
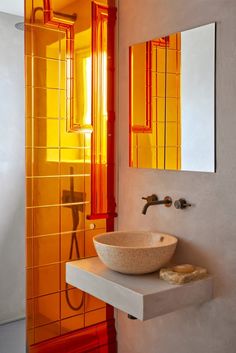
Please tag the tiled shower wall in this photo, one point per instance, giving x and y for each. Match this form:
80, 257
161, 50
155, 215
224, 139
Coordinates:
58, 195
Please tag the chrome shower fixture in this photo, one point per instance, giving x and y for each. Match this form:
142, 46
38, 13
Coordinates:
20, 26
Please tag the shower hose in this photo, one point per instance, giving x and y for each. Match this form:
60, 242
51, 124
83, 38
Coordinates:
74, 245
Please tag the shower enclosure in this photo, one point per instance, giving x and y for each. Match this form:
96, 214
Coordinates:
69, 60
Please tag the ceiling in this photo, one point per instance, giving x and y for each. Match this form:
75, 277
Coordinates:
14, 7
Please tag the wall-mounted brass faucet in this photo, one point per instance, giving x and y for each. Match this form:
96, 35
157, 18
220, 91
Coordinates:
153, 200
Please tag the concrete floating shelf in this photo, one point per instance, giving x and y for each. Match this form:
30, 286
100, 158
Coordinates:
143, 296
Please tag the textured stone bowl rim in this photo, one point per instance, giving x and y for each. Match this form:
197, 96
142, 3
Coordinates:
171, 239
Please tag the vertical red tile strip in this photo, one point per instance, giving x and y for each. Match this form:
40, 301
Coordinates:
111, 204
102, 174
147, 127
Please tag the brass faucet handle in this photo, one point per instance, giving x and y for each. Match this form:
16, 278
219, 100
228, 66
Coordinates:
181, 204
150, 198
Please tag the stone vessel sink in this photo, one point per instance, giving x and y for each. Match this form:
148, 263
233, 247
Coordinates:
135, 252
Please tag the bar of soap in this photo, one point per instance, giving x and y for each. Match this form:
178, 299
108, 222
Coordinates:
182, 273
186, 268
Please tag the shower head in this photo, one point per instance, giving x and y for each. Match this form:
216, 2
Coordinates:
20, 26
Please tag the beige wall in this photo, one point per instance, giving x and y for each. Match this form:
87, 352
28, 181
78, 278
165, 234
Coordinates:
207, 231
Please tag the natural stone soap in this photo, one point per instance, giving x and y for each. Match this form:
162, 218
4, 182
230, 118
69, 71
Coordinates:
182, 273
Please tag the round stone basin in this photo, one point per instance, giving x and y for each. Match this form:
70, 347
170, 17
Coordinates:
135, 252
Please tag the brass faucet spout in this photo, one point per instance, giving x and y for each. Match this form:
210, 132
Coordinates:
153, 200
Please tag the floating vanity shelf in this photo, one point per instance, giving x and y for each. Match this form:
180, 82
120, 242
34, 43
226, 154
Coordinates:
143, 296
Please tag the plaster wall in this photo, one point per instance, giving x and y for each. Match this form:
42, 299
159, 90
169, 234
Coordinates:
12, 161
207, 231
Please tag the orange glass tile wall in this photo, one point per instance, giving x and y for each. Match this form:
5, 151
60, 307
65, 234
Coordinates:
155, 111
58, 61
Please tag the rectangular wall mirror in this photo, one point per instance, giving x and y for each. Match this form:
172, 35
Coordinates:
172, 101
